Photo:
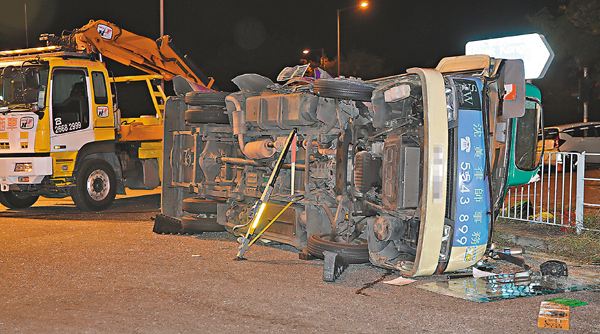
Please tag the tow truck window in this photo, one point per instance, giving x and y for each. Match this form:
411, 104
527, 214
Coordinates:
12, 88
69, 101
100, 94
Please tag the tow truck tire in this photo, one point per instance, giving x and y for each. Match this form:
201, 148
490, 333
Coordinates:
357, 252
217, 116
96, 186
199, 205
199, 98
191, 224
343, 89
17, 200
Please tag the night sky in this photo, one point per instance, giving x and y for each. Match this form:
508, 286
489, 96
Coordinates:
226, 38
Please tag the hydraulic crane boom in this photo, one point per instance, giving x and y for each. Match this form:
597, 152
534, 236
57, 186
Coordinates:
125, 47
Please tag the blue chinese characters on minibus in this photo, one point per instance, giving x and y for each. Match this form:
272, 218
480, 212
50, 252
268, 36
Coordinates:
472, 196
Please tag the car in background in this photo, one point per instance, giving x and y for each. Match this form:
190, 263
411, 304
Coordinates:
571, 138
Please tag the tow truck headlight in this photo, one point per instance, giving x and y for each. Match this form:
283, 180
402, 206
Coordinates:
24, 167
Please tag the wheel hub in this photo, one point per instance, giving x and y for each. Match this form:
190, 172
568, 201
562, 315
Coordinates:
98, 185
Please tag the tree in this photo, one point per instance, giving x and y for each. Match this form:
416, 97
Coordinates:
573, 31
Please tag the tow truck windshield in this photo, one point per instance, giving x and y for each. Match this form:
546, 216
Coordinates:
17, 90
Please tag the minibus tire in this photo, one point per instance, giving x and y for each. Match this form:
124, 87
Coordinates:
204, 116
353, 253
199, 98
343, 89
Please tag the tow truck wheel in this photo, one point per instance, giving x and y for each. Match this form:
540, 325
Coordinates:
95, 187
356, 252
17, 200
192, 224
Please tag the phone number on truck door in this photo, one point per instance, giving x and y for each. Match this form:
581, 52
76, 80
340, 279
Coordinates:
61, 128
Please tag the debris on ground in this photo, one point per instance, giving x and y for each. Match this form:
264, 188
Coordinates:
334, 266
511, 279
400, 281
567, 302
553, 315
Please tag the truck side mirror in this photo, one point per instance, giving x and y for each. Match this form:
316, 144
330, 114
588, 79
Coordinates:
32, 78
512, 79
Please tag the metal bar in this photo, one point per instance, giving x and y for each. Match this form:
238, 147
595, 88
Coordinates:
512, 197
515, 206
535, 190
270, 223
570, 194
562, 198
528, 197
580, 192
556, 190
522, 202
549, 189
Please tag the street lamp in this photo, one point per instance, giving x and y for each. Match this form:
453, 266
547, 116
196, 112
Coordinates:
322, 60
363, 4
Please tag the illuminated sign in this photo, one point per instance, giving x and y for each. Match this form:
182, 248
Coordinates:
532, 48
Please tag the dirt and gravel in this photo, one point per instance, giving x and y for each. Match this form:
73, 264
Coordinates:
64, 271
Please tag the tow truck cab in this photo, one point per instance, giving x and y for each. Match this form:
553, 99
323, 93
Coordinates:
61, 133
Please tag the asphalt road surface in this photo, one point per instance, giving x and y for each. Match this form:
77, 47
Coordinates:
64, 271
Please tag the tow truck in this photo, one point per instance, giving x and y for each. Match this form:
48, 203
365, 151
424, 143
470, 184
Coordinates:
66, 126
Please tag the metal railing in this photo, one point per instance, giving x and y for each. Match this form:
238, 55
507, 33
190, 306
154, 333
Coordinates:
555, 196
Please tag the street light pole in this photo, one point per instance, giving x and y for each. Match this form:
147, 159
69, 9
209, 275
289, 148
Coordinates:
363, 4
162, 18
585, 103
338, 40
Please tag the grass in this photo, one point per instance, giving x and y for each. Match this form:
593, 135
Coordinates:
583, 248
592, 220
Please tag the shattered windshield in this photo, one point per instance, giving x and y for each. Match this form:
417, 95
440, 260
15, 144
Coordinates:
13, 90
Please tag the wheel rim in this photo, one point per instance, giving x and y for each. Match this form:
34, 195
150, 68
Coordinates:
98, 185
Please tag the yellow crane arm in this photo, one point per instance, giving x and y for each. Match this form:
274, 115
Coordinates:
125, 47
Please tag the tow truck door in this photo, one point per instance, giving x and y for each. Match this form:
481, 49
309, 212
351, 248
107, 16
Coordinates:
70, 111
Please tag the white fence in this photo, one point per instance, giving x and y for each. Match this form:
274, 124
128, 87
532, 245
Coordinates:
557, 197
